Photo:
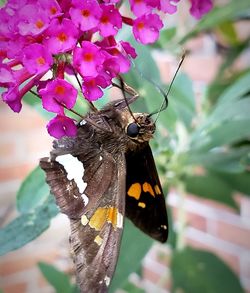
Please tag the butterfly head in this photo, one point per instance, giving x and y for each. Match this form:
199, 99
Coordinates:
141, 128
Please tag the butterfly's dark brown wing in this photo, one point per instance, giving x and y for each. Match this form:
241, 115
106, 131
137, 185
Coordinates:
89, 186
145, 202
95, 239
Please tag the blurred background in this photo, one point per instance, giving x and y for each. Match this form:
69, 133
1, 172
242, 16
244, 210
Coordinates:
201, 148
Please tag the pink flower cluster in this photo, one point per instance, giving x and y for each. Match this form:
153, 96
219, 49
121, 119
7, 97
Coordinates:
72, 37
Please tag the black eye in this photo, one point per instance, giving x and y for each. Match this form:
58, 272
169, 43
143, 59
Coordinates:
133, 129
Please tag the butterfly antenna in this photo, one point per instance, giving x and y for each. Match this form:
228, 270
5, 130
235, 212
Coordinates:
125, 88
164, 104
70, 110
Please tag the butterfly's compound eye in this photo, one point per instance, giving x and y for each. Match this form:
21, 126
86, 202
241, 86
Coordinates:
133, 129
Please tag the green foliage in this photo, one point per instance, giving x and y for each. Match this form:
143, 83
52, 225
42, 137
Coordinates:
27, 227
196, 271
59, 280
33, 191
219, 16
131, 254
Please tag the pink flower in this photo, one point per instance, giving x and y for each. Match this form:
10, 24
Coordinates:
88, 59
85, 14
57, 94
140, 7
128, 49
146, 28
92, 87
13, 98
37, 59
61, 126
168, 6
110, 21
62, 37
200, 7
32, 20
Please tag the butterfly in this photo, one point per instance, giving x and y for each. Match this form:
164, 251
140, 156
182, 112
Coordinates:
100, 176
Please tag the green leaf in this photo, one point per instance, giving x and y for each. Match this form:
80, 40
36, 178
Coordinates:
209, 186
226, 133
238, 182
131, 288
59, 280
223, 160
238, 89
134, 246
33, 192
219, 15
27, 227
196, 271
229, 33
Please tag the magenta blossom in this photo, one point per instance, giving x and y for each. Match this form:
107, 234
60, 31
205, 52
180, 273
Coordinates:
61, 37
88, 59
200, 7
110, 21
54, 39
37, 59
61, 126
92, 87
58, 94
146, 28
85, 14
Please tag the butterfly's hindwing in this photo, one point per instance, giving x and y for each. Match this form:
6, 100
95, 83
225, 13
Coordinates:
95, 238
145, 202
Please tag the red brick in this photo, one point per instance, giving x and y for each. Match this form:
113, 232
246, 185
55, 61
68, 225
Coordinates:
150, 275
15, 288
15, 172
233, 234
27, 119
11, 266
196, 221
193, 64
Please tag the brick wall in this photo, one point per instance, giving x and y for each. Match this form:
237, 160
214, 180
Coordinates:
211, 226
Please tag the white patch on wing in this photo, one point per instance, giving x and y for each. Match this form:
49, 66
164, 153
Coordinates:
74, 169
107, 280
100, 159
119, 220
85, 199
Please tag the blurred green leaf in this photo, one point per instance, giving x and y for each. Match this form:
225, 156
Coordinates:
218, 15
59, 280
166, 36
211, 187
131, 288
134, 246
228, 132
33, 191
229, 33
238, 89
223, 160
196, 271
238, 182
27, 227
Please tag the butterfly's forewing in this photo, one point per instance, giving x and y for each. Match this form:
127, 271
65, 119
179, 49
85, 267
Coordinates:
145, 202
90, 189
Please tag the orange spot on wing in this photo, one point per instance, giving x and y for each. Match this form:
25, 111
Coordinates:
148, 188
103, 215
135, 190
